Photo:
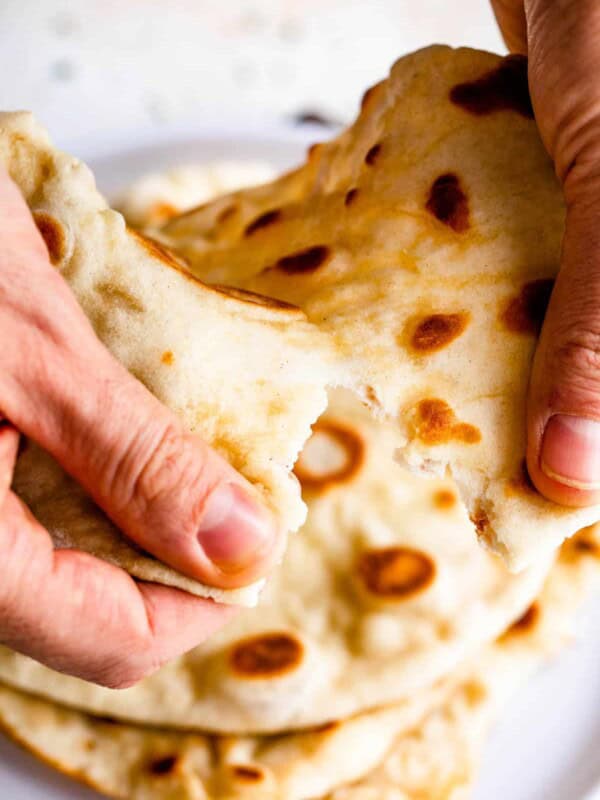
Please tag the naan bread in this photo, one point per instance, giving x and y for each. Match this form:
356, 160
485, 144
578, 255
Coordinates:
439, 759
238, 369
159, 196
138, 763
434, 758
384, 591
424, 240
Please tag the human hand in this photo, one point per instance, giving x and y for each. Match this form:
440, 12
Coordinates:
166, 490
562, 40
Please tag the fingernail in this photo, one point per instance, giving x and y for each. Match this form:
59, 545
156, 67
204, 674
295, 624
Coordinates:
571, 451
234, 530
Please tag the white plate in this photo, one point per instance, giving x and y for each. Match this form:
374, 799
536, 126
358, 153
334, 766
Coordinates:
547, 745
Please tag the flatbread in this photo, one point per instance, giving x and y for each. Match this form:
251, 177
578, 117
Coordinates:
439, 759
434, 758
237, 368
424, 240
140, 763
157, 197
384, 591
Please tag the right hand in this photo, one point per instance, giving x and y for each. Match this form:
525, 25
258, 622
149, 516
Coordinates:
562, 41
166, 490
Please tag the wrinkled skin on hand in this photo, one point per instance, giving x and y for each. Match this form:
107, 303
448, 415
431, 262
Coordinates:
165, 489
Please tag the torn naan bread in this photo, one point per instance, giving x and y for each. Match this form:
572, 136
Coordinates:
383, 592
424, 240
428, 746
238, 369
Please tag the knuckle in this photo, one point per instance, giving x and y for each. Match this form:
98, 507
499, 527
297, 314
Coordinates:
574, 371
171, 479
121, 672
578, 354
579, 172
171, 465
122, 677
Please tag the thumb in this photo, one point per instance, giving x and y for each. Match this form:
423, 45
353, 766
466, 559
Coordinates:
564, 407
165, 489
564, 401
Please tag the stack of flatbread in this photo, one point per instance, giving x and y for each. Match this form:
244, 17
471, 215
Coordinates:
380, 304
382, 650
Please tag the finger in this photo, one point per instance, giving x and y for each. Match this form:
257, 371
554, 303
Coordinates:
166, 490
510, 15
564, 410
564, 397
82, 616
9, 446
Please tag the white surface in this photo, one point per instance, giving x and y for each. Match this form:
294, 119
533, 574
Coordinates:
547, 745
92, 67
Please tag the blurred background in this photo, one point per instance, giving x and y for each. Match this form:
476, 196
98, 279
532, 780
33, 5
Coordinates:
106, 71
